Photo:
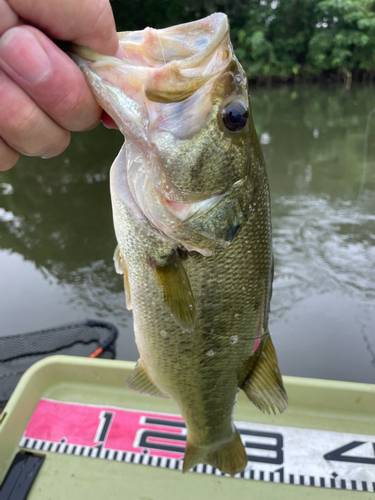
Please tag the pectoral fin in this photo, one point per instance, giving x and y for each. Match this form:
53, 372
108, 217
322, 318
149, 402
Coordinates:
140, 381
263, 384
177, 292
117, 259
120, 267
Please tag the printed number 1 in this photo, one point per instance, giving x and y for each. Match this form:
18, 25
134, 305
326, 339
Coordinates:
105, 418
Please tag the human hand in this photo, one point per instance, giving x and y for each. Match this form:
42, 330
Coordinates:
43, 94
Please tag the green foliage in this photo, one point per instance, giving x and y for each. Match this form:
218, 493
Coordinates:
276, 38
344, 38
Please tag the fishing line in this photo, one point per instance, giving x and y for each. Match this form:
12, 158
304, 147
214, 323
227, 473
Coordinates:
365, 153
161, 47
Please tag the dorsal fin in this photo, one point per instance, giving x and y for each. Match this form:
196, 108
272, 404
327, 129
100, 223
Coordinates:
177, 292
140, 381
263, 384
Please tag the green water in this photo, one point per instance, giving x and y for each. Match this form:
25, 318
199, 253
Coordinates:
57, 240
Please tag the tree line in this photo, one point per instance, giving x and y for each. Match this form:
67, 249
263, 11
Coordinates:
277, 39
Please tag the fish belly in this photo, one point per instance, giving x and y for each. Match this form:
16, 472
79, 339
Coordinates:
202, 370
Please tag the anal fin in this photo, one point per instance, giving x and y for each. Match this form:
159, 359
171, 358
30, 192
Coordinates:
177, 292
229, 457
140, 381
263, 384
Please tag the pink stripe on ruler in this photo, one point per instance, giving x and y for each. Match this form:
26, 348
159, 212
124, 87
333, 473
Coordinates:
120, 429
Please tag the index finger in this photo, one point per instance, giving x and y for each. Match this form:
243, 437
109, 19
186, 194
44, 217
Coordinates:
85, 22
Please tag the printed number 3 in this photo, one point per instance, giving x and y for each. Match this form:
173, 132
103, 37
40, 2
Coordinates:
277, 448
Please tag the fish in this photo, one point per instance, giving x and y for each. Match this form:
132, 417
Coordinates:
191, 211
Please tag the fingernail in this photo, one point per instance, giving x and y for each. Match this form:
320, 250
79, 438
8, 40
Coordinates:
21, 50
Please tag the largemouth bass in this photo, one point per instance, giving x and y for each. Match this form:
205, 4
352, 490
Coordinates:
191, 211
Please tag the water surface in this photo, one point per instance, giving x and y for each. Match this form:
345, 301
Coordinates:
57, 240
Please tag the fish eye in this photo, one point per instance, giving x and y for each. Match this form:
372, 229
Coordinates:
235, 116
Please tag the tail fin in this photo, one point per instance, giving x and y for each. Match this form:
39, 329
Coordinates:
229, 457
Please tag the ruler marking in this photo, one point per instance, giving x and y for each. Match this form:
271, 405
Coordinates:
146, 459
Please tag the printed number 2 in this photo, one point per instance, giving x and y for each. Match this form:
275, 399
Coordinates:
277, 448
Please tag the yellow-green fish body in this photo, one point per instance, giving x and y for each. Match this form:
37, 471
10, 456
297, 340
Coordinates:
191, 212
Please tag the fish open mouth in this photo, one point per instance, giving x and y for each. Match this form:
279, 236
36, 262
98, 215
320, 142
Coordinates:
164, 66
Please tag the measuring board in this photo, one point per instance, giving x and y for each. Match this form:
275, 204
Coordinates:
278, 454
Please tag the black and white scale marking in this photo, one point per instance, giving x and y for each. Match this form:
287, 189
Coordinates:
276, 454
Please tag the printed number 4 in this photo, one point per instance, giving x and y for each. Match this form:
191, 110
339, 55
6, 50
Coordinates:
338, 456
